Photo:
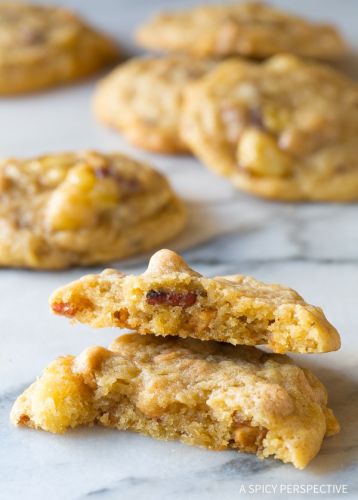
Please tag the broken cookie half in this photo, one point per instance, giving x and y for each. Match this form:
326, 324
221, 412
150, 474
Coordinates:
203, 393
172, 299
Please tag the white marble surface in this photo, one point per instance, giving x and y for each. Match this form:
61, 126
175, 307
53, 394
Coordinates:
313, 248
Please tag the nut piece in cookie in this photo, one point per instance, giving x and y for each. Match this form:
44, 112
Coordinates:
284, 129
83, 208
202, 393
43, 46
172, 299
142, 99
252, 29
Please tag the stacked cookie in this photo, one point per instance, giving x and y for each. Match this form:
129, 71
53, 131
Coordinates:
191, 371
281, 129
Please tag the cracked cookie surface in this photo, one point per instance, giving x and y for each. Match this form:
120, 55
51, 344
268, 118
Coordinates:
252, 29
142, 99
203, 393
284, 129
82, 208
172, 299
42, 46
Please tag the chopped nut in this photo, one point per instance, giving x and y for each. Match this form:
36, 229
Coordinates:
180, 299
82, 176
32, 36
202, 319
234, 119
122, 316
247, 437
256, 118
79, 199
90, 360
259, 154
103, 172
72, 308
4, 183
128, 184
343, 168
23, 419
276, 117
64, 308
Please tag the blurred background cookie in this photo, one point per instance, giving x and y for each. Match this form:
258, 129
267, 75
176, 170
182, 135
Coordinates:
45, 46
254, 30
82, 208
142, 99
284, 129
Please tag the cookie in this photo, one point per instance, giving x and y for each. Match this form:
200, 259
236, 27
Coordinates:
43, 46
83, 208
284, 129
172, 299
254, 30
142, 99
202, 393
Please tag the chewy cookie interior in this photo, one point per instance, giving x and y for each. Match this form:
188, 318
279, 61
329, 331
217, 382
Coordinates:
172, 299
203, 393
